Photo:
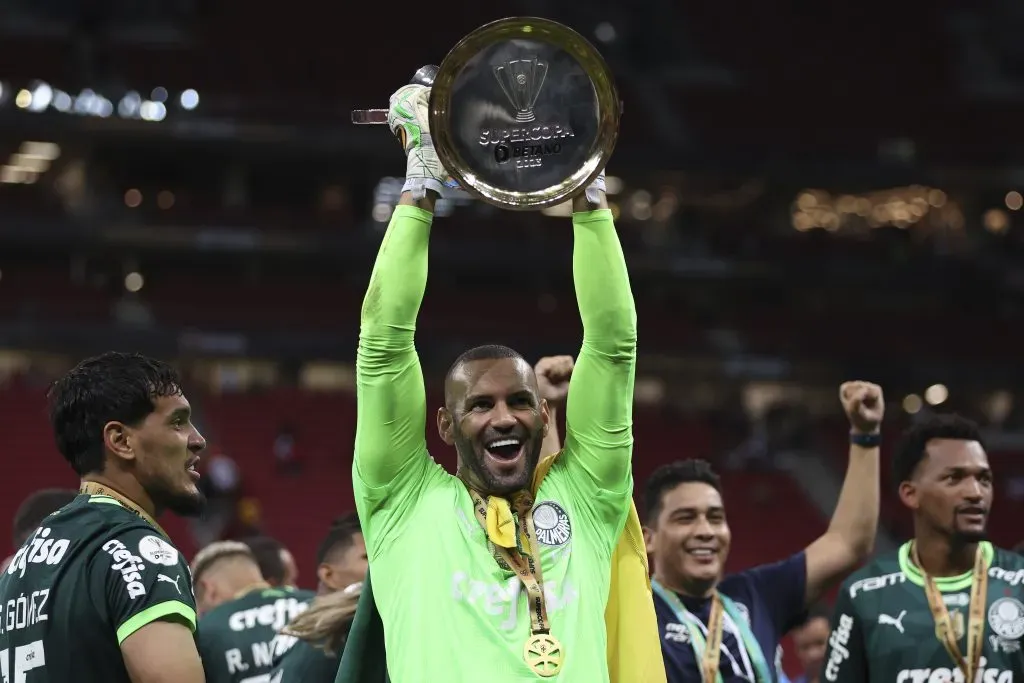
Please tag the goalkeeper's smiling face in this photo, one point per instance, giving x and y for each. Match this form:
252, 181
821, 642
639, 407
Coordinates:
496, 420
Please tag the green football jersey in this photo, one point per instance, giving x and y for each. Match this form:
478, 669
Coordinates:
302, 662
883, 630
238, 639
89, 577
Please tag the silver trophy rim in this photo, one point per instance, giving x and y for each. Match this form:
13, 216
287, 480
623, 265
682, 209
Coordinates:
563, 37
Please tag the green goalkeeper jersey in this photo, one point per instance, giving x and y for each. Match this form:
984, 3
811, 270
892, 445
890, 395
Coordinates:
883, 630
451, 613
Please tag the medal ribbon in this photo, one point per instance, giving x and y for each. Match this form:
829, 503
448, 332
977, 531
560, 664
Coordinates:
709, 653
944, 630
524, 559
92, 488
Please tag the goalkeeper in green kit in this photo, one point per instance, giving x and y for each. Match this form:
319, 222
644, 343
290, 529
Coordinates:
948, 606
492, 574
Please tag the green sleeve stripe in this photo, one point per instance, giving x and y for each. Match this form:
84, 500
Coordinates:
155, 612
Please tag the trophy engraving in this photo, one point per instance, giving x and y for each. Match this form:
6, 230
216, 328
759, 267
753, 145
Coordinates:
524, 113
522, 79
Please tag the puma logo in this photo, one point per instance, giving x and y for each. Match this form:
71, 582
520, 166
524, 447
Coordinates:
164, 577
886, 620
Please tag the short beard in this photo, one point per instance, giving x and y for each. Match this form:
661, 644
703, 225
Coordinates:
182, 504
962, 538
187, 506
490, 484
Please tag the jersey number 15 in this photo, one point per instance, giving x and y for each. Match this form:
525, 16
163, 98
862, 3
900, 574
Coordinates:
26, 658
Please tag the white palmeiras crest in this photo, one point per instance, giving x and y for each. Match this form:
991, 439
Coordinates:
1006, 617
552, 524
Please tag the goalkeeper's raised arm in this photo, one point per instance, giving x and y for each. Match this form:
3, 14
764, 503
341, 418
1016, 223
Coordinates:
391, 398
599, 411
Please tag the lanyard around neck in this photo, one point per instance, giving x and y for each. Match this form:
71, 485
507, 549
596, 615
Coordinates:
707, 659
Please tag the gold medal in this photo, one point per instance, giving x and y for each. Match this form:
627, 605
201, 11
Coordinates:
543, 654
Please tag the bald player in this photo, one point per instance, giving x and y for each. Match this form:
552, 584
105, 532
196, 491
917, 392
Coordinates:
240, 612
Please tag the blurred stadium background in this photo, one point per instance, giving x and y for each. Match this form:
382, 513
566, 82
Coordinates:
807, 193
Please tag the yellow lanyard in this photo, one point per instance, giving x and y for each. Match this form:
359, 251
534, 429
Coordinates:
944, 630
713, 648
543, 652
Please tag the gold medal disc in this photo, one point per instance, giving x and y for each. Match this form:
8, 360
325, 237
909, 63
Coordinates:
543, 653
